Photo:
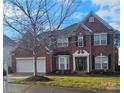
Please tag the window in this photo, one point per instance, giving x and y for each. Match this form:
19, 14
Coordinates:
100, 39
80, 41
63, 62
101, 62
62, 42
91, 19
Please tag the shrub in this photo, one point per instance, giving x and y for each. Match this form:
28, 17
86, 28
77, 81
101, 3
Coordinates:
10, 70
104, 72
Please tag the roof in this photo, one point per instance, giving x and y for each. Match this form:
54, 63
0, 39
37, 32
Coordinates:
66, 32
74, 27
8, 41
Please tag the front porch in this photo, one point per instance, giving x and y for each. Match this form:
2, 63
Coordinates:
77, 62
81, 61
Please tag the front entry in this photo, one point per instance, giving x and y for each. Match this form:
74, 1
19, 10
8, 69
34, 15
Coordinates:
81, 63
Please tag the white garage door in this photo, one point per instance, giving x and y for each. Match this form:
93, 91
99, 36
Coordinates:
27, 65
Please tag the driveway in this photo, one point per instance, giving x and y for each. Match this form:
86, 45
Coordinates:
15, 77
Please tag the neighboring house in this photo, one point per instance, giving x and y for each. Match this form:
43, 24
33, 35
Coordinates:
8, 47
84, 46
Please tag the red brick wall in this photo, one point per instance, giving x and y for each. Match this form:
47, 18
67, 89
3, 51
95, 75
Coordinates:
96, 27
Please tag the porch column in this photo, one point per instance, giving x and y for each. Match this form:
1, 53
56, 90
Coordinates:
87, 63
73, 63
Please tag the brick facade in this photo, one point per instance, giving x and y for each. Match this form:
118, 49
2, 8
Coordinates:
96, 27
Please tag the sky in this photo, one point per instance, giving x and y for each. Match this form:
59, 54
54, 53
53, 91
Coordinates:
108, 10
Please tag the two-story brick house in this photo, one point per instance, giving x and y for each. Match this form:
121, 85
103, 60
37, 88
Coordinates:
84, 46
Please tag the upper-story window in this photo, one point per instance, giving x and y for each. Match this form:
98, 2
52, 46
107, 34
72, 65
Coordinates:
80, 41
62, 42
100, 39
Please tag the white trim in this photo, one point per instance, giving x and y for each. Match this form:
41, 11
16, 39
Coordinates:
99, 34
101, 56
86, 28
82, 39
63, 41
31, 58
80, 54
65, 61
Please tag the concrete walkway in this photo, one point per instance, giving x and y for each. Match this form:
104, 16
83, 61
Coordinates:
20, 88
15, 77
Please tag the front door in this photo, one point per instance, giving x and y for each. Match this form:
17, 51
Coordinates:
81, 63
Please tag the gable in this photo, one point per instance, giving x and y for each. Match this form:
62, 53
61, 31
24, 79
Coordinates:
99, 25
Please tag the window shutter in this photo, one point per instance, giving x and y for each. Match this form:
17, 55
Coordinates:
92, 39
57, 62
109, 62
93, 62
76, 41
69, 39
84, 40
108, 39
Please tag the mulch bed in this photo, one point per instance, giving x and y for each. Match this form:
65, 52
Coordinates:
38, 78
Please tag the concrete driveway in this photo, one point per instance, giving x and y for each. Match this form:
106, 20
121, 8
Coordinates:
15, 77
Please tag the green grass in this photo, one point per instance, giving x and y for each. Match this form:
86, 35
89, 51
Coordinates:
82, 81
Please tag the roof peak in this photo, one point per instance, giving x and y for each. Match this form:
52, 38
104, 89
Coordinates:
99, 18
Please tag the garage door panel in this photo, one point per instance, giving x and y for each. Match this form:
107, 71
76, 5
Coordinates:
41, 66
27, 65
24, 65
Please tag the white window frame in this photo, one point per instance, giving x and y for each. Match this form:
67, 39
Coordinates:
100, 38
66, 62
101, 62
82, 38
62, 42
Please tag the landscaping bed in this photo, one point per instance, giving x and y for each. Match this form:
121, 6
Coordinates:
38, 78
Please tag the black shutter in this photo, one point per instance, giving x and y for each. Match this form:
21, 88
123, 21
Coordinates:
108, 39
109, 62
69, 39
56, 60
84, 40
76, 41
93, 62
92, 39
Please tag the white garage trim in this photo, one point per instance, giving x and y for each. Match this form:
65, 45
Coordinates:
30, 58
26, 65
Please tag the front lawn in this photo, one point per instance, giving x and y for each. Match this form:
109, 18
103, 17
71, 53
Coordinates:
82, 81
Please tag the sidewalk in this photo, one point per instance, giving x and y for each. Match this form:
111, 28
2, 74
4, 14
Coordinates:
21, 88
18, 88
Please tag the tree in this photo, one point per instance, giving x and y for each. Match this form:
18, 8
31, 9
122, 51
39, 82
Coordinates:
30, 18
